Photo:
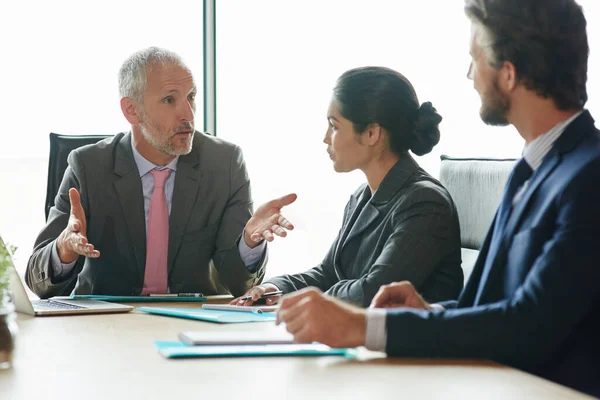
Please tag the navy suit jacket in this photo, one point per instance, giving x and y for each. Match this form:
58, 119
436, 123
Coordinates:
540, 306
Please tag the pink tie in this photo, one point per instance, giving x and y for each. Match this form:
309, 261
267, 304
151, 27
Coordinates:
157, 243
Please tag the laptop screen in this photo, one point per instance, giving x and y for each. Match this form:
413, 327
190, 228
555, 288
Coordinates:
19, 294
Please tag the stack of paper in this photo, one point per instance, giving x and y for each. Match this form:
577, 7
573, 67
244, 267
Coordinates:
223, 317
180, 350
203, 338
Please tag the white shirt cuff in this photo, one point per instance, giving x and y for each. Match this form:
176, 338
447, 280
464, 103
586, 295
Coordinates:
251, 256
376, 337
59, 268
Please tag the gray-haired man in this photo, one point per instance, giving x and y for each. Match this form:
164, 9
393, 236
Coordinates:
151, 210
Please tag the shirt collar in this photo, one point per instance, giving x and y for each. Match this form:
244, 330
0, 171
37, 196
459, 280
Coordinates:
535, 151
144, 166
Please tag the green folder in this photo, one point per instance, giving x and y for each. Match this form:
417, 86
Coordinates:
218, 316
138, 299
181, 350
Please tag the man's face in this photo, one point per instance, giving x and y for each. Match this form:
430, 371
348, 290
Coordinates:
495, 105
167, 114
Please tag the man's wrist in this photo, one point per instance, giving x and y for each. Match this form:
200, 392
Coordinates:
65, 256
360, 318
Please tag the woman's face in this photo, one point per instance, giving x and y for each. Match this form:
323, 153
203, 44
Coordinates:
344, 145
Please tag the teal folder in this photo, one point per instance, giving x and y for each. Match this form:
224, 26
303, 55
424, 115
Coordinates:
138, 299
181, 350
222, 317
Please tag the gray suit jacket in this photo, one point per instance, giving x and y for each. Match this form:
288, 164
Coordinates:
407, 231
210, 207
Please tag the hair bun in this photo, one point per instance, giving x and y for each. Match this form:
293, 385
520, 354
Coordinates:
426, 133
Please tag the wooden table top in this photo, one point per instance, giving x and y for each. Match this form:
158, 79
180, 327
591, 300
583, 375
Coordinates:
112, 356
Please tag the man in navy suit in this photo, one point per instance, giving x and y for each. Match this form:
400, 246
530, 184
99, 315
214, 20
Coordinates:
533, 299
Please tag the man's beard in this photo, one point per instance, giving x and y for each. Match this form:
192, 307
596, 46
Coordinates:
495, 107
154, 136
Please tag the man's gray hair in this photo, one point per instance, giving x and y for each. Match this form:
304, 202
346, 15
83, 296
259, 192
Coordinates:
133, 75
485, 39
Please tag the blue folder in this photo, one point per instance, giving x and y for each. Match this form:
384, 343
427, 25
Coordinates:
137, 299
181, 350
222, 317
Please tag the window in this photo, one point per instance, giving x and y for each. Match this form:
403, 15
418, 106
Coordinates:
59, 69
276, 64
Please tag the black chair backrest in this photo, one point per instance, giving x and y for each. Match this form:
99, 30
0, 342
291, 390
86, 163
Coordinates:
60, 147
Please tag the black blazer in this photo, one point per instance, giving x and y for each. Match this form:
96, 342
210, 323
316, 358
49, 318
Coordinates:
408, 230
540, 305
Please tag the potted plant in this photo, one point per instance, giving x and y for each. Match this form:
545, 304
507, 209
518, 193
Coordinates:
8, 325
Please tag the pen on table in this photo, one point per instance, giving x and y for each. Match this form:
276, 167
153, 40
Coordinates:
270, 294
176, 295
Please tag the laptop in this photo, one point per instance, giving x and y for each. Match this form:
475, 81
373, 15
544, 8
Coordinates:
55, 306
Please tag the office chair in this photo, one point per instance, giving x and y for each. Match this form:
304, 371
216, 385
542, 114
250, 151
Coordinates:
60, 147
476, 186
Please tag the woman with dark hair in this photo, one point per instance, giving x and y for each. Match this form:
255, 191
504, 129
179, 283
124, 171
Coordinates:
401, 224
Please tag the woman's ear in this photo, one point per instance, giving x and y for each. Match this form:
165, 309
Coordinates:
373, 134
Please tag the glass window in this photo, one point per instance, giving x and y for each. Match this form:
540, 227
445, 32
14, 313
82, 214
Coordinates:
276, 64
59, 67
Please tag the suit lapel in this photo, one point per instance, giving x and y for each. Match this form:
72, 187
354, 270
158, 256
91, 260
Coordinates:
469, 292
538, 177
352, 212
129, 191
185, 192
364, 217
514, 221
571, 137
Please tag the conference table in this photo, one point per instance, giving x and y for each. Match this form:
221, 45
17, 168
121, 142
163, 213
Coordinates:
112, 356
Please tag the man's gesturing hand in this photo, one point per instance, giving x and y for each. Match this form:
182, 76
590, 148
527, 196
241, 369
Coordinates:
72, 242
267, 221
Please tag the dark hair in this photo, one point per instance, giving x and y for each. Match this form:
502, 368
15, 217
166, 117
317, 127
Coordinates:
546, 40
378, 95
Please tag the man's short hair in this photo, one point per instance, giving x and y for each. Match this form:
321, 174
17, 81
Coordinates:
133, 75
545, 40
